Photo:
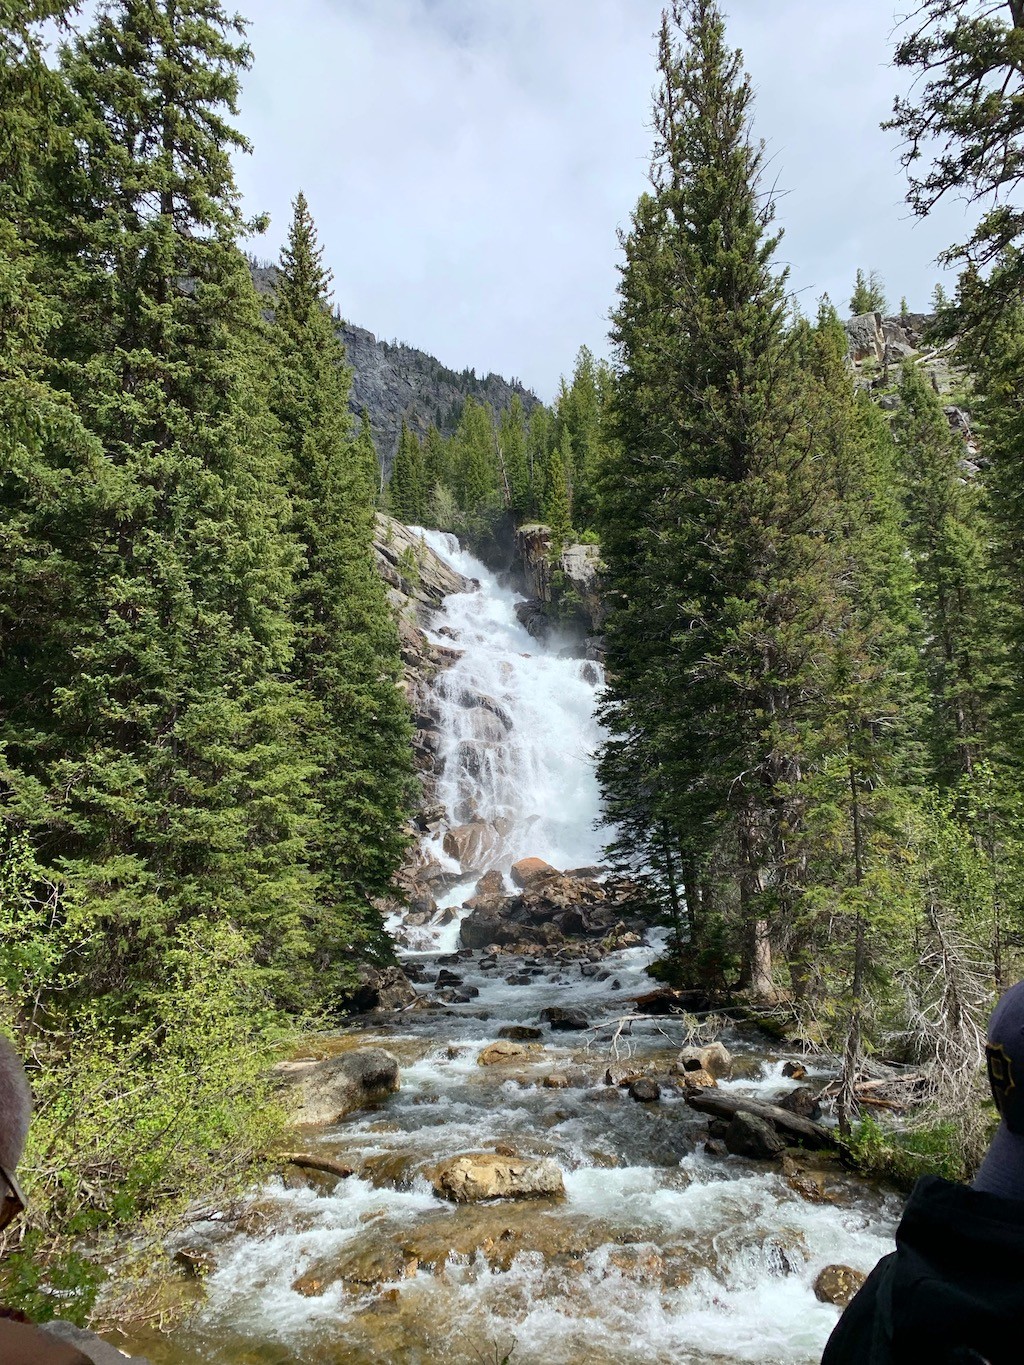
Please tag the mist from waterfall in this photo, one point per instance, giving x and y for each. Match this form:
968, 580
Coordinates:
519, 736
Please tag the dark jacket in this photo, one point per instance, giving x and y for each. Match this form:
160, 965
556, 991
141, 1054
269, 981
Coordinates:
952, 1293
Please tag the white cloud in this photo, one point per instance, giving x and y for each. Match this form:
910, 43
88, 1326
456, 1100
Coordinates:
469, 161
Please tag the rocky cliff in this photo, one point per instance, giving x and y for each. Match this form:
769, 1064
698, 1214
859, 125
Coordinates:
567, 595
397, 383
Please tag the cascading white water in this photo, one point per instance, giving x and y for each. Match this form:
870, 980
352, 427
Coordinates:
658, 1252
518, 730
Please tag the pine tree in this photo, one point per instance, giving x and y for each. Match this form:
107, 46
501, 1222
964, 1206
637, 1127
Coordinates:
557, 507
512, 447
580, 412
407, 499
706, 516
181, 792
475, 474
949, 541
868, 294
356, 727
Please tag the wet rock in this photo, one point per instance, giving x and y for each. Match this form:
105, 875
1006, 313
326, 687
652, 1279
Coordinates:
326, 1091
558, 1080
485, 929
642, 1263
505, 1051
698, 1079
713, 1057
644, 1090
794, 1071
716, 1147
379, 988
447, 978
488, 1175
529, 870
196, 1262
564, 1020
473, 845
748, 1135
377, 1262
519, 979
491, 884
803, 1101
521, 1033
837, 1284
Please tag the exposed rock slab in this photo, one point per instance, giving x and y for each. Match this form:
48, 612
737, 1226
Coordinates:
326, 1091
486, 1175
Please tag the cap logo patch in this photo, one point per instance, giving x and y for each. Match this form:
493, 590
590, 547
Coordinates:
1000, 1074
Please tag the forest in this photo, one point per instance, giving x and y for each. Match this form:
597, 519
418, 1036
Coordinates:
814, 704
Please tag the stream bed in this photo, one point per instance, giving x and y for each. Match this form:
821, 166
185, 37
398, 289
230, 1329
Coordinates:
657, 1252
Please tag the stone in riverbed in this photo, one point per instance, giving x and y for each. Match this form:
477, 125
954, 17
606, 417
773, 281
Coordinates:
472, 845
490, 884
505, 1051
803, 1101
529, 870
379, 988
521, 1033
644, 1090
714, 1058
837, 1284
487, 1175
748, 1135
564, 1020
327, 1091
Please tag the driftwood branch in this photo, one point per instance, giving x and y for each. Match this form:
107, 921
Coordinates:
314, 1163
726, 1106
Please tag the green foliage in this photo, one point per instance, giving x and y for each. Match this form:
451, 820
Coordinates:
904, 1156
868, 294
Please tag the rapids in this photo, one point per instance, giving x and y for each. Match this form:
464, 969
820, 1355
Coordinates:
657, 1253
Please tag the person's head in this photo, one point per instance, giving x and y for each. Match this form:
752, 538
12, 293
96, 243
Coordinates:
1002, 1171
15, 1112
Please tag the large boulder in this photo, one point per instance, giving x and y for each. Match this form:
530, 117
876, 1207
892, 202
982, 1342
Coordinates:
487, 1175
324, 1092
748, 1135
473, 845
528, 870
714, 1058
864, 335
379, 988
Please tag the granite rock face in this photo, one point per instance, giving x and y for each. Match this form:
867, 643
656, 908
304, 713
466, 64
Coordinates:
395, 383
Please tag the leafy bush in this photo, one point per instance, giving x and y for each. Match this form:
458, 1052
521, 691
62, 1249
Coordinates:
135, 1118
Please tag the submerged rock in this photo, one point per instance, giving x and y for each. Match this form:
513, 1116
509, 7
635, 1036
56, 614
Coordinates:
521, 1033
488, 1175
327, 1091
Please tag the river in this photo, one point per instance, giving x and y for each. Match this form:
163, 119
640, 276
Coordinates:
657, 1252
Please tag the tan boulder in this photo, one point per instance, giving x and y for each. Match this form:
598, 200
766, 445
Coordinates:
837, 1284
473, 845
528, 870
324, 1092
487, 1175
714, 1058
505, 1051
490, 884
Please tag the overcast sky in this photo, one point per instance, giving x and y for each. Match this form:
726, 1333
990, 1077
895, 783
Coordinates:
468, 162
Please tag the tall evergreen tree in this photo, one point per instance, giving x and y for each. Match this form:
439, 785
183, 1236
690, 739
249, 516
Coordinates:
557, 508
706, 515
180, 792
512, 447
356, 727
407, 487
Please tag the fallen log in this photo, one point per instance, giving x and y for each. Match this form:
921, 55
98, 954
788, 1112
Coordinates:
315, 1163
725, 1106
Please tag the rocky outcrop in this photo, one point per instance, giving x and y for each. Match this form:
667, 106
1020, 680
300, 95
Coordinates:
393, 383
552, 909
567, 594
487, 1175
324, 1092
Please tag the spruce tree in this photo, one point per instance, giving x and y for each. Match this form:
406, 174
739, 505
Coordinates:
868, 294
557, 507
181, 791
706, 515
512, 447
407, 488
356, 728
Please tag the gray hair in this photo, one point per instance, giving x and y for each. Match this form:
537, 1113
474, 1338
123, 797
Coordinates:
15, 1105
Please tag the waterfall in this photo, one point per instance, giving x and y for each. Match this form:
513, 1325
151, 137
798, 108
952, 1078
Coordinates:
518, 731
